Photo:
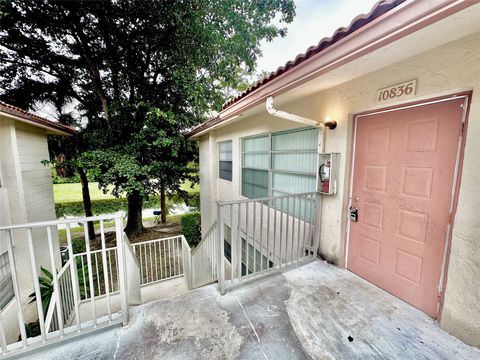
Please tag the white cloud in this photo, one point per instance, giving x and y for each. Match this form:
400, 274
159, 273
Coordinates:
315, 20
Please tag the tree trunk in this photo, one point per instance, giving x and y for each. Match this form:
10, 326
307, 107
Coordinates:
134, 221
163, 203
87, 202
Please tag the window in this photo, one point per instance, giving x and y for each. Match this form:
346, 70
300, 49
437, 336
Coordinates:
294, 161
6, 283
261, 261
227, 252
225, 160
227, 247
280, 163
255, 166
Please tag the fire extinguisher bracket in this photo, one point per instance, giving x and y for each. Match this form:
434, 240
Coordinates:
327, 179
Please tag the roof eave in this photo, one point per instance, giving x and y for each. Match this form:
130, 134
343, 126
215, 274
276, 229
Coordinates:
399, 22
51, 127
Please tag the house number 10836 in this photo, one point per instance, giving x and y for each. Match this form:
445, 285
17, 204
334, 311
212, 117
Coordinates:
396, 92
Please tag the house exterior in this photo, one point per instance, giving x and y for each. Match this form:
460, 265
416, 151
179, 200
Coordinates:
26, 196
397, 177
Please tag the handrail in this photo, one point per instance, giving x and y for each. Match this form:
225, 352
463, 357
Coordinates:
241, 201
64, 268
156, 264
132, 272
155, 240
117, 215
116, 273
50, 312
209, 231
203, 259
187, 263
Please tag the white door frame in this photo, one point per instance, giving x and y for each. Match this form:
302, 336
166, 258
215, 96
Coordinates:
456, 175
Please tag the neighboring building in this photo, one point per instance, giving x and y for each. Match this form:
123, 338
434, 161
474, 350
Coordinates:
409, 159
26, 196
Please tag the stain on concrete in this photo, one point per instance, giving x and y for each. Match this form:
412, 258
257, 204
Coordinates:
338, 315
191, 326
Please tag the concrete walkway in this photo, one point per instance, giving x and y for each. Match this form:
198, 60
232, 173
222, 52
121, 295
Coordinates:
313, 311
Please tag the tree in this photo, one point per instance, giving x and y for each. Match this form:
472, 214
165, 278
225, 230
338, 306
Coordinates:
66, 159
141, 72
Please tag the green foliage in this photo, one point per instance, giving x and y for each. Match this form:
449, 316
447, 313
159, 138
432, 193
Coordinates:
72, 178
193, 199
138, 74
63, 180
78, 247
46, 287
107, 206
32, 329
191, 228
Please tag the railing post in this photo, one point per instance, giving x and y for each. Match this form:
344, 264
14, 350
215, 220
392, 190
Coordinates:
121, 265
74, 276
317, 218
16, 289
221, 258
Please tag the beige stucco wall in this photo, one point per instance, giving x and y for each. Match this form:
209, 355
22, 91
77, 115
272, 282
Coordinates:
449, 69
28, 192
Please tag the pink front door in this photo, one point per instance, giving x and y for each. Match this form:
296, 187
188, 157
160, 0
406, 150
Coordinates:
402, 187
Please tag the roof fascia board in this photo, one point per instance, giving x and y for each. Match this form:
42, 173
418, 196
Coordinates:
401, 21
50, 129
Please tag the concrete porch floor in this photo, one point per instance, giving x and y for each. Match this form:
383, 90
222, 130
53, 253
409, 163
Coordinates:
312, 311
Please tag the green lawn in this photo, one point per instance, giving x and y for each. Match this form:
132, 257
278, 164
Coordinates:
78, 231
73, 192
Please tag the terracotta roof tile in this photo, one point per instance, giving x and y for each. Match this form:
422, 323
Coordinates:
358, 22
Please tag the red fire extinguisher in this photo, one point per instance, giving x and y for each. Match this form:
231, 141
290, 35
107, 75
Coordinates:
325, 177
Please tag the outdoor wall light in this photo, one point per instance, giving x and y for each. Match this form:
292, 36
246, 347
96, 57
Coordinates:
329, 123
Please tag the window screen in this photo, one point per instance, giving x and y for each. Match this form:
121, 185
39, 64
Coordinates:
225, 160
255, 165
6, 283
289, 157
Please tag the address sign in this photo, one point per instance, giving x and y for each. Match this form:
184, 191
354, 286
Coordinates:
397, 92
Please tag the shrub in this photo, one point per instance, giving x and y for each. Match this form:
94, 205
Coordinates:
104, 206
191, 228
32, 329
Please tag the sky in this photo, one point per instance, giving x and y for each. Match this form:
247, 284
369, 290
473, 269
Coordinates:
314, 20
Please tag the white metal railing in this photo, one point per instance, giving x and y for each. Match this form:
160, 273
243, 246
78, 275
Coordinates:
90, 276
204, 259
187, 263
67, 301
265, 234
159, 259
105, 272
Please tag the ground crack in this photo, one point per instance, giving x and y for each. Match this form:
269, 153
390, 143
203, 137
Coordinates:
251, 325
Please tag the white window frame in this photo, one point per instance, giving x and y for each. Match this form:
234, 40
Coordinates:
219, 160
270, 153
